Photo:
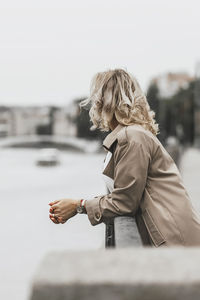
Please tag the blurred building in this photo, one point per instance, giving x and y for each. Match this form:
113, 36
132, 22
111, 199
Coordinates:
36, 120
170, 83
64, 120
27, 120
6, 121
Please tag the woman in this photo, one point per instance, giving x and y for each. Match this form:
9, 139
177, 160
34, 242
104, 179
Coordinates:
143, 179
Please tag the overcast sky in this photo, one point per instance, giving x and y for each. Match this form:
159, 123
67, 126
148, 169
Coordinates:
50, 49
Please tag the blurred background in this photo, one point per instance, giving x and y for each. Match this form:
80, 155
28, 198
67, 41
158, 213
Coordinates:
49, 51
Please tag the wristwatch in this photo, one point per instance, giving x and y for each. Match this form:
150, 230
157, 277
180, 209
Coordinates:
81, 207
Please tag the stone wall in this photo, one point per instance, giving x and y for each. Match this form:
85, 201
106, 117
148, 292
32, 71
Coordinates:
119, 274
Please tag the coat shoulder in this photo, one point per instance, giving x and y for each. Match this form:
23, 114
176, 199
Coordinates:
140, 135
135, 134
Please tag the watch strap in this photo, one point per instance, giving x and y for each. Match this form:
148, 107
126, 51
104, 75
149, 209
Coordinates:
81, 207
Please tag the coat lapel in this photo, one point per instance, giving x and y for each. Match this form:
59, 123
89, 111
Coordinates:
109, 169
107, 144
111, 137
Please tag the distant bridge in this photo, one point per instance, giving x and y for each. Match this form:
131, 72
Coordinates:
50, 141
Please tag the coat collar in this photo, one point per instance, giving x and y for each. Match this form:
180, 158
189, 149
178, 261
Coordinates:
112, 136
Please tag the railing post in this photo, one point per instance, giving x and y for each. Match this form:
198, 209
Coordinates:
110, 234
126, 232
122, 232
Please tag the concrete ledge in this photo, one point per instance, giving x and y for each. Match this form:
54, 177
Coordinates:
125, 274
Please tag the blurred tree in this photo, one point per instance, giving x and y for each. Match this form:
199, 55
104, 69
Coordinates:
157, 104
47, 129
181, 106
153, 99
175, 115
43, 130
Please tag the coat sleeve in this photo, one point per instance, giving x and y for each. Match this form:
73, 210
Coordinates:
131, 163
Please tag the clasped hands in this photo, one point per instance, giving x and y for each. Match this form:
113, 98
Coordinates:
62, 210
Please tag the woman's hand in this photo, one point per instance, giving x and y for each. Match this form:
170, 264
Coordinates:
62, 210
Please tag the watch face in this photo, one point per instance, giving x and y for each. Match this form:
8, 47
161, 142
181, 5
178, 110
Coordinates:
79, 210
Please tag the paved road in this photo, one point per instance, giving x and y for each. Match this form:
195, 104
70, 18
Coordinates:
190, 171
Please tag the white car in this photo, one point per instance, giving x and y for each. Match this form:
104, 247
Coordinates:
48, 157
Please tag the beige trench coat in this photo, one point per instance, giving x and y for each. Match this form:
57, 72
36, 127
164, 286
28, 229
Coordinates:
147, 185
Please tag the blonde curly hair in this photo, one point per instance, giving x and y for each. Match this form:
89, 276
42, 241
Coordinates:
125, 101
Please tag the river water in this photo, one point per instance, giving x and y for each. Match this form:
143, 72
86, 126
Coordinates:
26, 231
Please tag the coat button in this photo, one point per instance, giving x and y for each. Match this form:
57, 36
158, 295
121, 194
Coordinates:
97, 215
